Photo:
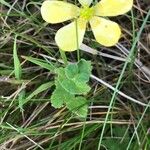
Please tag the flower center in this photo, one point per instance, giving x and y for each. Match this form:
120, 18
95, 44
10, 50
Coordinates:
86, 13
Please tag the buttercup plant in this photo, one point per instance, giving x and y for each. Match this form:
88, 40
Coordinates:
71, 80
70, 37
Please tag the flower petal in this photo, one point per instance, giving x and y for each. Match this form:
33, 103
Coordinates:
85, 2
106, 32
113, 7
66, 37
58, 11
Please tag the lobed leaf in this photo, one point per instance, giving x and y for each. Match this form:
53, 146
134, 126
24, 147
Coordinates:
78, 106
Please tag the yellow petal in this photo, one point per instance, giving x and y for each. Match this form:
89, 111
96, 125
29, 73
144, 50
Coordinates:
66, 37
58, 11
85, 2
106, 32
113, 7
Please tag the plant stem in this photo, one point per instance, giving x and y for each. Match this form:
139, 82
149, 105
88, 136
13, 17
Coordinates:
63, 56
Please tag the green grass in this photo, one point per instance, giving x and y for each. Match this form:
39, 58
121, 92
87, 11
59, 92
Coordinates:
118, 114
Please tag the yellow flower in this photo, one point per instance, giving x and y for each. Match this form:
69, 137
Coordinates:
106, 32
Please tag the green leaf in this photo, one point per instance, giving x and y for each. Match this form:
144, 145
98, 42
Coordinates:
79, 72
18, 72
17, 65
85, 69
116, 144
122, 139
74, 87
78, 106
61, 73
82, 78
60, 96
41, 63
71, 70
56, 98
84, 66
21, 98
70, 85
69, 82
40, 89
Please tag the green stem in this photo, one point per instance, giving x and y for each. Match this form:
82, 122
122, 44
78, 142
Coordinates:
78, 52
63, 56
